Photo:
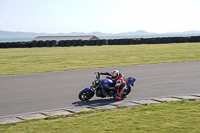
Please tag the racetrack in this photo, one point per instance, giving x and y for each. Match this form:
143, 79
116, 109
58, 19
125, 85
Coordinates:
45, 91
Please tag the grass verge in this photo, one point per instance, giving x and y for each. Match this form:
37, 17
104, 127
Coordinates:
169, 117
35, 60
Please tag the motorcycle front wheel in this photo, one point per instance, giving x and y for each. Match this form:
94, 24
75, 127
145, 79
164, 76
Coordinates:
85, 95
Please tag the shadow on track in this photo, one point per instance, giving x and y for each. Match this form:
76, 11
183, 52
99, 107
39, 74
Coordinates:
96, 102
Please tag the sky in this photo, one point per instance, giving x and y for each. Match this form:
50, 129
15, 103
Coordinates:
106, 16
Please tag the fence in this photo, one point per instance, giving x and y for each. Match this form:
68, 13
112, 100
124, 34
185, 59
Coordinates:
67, 43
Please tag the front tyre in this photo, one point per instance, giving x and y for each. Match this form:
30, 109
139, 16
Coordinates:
85, 95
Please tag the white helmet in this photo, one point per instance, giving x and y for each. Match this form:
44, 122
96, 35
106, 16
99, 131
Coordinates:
115, 74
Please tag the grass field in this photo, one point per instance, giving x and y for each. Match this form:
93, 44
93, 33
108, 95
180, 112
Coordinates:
169, 117
35, 60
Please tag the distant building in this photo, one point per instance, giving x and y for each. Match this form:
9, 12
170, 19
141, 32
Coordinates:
58, 38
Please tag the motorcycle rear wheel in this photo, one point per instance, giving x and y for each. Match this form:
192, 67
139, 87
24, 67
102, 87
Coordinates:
85, 95
127, 91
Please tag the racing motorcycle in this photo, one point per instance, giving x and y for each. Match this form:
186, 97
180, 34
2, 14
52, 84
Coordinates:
99, 88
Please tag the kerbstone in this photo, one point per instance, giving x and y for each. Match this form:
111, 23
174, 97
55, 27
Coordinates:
78, 109
145, 102
9, 120
57, 112
191, 98
197, 95
122, 103
102, 107
166, 99
31, 116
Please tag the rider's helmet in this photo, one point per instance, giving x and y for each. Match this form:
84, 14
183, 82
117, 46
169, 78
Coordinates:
115, 74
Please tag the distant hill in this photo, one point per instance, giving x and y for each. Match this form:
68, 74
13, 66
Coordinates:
9, 34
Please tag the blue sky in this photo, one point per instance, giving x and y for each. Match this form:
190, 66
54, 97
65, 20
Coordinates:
107, 16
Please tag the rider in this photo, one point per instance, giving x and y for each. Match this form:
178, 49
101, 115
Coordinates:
118, 80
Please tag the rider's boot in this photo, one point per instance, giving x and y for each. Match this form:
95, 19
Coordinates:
119, 94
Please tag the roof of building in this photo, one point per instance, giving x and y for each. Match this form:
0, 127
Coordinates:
58, 38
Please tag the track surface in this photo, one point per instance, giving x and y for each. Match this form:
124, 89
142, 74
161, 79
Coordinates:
45, 91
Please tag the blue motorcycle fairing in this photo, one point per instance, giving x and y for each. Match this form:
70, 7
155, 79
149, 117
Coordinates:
132, 81
89, 89
107, 82
101, 87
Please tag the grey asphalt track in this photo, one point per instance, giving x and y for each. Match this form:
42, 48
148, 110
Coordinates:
51, 90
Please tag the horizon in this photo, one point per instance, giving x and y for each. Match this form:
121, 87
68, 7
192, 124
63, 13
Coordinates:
183, 32
105, 16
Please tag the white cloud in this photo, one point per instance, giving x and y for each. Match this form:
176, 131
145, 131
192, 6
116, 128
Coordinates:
157, 16
38, 22
0, 22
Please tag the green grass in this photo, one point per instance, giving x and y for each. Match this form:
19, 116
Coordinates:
35, 60
169, 117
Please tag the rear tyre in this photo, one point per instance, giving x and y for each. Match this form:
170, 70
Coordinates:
85, 95
127, 91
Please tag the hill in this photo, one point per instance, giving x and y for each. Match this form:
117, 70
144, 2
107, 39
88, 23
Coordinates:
10, 34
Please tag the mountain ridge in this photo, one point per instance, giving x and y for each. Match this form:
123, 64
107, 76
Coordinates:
10, 34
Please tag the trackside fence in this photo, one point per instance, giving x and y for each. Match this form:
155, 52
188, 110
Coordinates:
128, 41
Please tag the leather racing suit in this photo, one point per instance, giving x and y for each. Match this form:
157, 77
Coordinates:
119, 83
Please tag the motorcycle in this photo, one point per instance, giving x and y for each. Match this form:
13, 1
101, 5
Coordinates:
99, 87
